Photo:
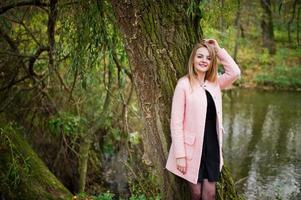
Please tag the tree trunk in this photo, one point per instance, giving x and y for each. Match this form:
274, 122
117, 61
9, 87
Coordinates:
84, 150
23, 174
291, 21
298, 26
237, 25
222, 18
267, 27
158, 38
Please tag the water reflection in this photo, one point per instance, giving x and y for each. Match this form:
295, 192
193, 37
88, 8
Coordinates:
262, 144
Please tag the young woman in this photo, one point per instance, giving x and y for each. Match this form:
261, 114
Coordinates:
196, 119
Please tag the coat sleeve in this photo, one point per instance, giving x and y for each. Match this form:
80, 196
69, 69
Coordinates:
232, 71
177, 120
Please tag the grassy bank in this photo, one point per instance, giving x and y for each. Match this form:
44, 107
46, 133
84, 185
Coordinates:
283, 70
279, 71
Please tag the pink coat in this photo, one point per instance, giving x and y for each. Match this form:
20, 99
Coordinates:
188, 117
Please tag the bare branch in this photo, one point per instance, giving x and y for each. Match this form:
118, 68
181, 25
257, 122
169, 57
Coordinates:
11, 43
51, 31
34, 58
120, 101
107, 101
10, 100
4, 9
73, 84
9, 53
30, 33
14, 48
62, 81
71, 3
13, 82
129, 74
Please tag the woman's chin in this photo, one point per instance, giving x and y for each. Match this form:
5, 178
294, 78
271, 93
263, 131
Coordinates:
202, 70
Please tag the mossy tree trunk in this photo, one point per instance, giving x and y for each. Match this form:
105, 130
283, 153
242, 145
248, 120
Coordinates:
158, 37
23, 175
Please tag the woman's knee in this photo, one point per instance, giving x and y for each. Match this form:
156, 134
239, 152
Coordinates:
196, 194
209, 195
195, 190
209, 190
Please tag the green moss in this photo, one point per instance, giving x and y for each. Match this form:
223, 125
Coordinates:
226, 187
23, 174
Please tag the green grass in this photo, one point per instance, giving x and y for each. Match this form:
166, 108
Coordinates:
283, 71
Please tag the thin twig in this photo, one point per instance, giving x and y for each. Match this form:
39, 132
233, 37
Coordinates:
38, 3
120, 101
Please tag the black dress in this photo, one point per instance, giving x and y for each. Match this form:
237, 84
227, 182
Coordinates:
209, 168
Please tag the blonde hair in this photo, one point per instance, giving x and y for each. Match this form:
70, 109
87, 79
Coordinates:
211, 74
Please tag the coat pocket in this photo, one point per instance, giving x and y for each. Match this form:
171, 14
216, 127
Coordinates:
189, 140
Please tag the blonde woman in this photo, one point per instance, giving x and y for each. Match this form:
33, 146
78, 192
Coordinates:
196, 119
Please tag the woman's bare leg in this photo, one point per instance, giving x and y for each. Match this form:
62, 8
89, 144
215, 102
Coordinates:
195, 190
208, 192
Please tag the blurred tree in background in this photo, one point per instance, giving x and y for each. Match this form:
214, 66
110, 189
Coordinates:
263, 36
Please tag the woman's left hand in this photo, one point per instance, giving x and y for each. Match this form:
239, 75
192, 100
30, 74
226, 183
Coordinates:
213, 43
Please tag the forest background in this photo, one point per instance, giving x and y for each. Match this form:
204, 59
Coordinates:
76, 104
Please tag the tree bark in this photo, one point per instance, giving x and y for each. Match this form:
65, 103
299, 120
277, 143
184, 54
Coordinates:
23, 175
237, 25
267, 27
298, 26
158, 38
291, 21
83, 158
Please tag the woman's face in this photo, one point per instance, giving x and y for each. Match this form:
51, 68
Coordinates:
202, 60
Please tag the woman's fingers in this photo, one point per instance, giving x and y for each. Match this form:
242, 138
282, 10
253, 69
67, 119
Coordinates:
210, 41
181, 169
181, 164
213, 43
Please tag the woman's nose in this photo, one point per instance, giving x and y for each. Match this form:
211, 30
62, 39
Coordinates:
204, 60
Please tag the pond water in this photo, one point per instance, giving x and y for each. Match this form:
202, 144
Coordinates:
262, 142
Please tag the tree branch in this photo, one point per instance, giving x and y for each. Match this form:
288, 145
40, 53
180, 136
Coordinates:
4, 9
34, 58
73, 84
14, 48
62, 81
11, 43
119, 66
13, 82
51, 31
30, 33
